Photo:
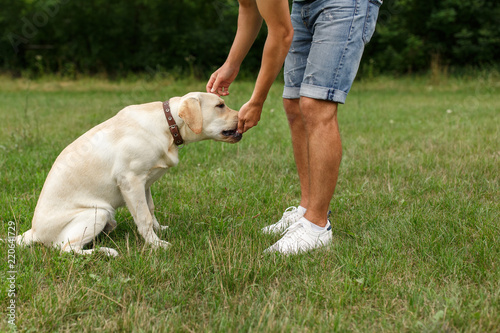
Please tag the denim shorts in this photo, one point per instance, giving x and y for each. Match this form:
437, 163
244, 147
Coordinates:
328, 42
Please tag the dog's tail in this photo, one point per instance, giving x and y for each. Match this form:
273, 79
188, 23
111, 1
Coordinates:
25, 239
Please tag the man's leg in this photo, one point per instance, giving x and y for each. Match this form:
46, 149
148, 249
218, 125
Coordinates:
299, 143
324, 156
331, 58
317, 150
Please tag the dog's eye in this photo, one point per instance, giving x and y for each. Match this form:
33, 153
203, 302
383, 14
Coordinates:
221, 105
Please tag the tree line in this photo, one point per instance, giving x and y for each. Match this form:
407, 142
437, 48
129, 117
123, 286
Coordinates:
194, 36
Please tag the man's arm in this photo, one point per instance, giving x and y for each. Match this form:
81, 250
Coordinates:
280, 33
276, 14
249, 24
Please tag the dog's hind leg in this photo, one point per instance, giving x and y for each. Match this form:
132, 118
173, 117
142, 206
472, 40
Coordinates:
106, 250
25, 239
83, 229
110, 226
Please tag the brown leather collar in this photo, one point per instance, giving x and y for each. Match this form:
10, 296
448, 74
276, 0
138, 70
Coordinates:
174, 129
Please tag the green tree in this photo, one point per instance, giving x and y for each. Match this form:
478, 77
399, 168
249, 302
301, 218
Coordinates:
194, 36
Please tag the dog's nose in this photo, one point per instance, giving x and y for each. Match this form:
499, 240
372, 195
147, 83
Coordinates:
237, 136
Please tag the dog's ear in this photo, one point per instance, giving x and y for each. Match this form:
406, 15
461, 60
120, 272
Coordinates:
190, 112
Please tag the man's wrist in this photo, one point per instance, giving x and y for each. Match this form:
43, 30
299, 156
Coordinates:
257, 102
232, 63
259, 95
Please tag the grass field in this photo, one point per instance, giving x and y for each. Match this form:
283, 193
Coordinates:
416, 236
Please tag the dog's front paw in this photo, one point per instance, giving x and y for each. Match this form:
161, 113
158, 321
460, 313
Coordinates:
161, 244
159, 227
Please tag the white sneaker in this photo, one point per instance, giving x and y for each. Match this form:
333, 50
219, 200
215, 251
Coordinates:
300, 237
290, 216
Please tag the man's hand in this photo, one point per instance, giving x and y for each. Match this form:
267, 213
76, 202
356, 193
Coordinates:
276, 13
221, 79
248, 116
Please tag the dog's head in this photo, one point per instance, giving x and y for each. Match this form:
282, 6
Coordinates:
208, 117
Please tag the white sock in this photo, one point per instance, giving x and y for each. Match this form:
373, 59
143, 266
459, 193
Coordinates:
316, 227
302, 210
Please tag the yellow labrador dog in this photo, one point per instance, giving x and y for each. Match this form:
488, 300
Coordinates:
115, 163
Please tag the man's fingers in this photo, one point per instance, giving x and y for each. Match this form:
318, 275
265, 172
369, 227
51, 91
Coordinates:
215, 86
241, 126
220, 89
244, 126
224, 91
210, 83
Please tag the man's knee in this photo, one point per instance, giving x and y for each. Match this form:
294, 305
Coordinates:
292, 109
318, 111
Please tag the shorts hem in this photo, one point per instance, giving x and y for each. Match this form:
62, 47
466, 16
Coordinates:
316, 92
291, 92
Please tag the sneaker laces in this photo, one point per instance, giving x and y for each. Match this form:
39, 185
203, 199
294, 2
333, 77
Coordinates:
289, 218
292, 228
295, 226
290, 233
288, 213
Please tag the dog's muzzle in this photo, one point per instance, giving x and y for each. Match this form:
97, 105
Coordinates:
232, 134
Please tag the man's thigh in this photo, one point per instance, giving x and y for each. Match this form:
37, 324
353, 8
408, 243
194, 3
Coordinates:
339, 30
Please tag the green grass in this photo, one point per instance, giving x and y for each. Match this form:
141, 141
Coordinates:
416, 217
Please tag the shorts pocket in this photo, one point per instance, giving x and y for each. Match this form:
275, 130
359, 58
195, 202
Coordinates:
371, 19
377, 2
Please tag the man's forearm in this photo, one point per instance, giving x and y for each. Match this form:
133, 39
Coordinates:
274, 54
279, 39
249, 24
